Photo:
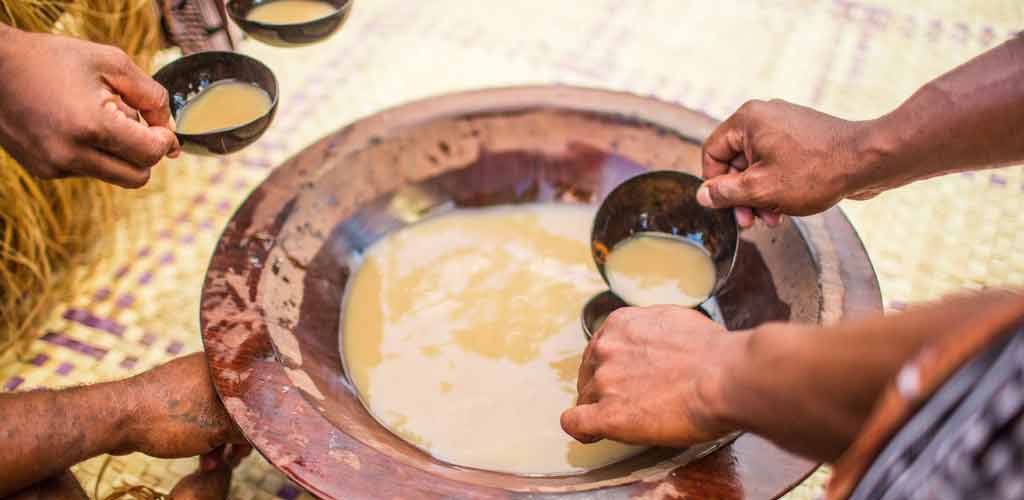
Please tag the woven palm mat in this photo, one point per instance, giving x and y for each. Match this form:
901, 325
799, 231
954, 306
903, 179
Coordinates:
849, 58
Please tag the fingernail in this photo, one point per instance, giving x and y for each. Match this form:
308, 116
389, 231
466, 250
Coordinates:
704, 196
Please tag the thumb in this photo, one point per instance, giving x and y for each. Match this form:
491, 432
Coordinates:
584, 423
138, 89
726, 191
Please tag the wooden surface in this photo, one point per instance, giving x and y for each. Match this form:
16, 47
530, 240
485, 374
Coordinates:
270, 336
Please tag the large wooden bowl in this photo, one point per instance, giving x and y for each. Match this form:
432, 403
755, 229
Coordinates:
270, 304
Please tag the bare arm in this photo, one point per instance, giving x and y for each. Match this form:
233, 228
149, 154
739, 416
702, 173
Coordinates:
45, 432
169, 412
778, 157
667, 375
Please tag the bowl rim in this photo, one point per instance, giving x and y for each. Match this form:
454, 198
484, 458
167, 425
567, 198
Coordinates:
274, 96
826, 235
720, 281
241, 20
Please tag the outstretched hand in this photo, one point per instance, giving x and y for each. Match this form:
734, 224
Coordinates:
650, 376
75, 108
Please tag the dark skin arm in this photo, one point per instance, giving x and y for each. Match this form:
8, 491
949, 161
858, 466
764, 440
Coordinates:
171, 411
666, 375
775, 157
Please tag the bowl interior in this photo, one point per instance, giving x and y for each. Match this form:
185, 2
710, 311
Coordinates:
190, 75
665, 201
238, 9
290, 34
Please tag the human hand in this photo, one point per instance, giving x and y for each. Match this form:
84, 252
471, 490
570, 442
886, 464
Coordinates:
213, 479
772, 158
180, 414
650, 376
71, 108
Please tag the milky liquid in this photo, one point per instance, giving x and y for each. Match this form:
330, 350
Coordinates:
650, 269
462, 335
224, 104
290, 11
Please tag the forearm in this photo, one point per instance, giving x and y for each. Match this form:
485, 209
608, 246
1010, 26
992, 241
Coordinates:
45, 432
811, 389
969, 118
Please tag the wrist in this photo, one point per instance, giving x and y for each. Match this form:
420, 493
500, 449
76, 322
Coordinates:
875, 147
722, 394
128, 397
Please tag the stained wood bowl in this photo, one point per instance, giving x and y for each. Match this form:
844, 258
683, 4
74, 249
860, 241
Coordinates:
270, 304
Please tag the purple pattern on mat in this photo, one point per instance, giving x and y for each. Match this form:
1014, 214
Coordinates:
101, 294
146, 277
164, 234
997, 179
13, 383
145, 252
199, 199
188, 239
175, 347
271, 145
75, 345
64, 368
206, 224
288, 492
121, 272
129, 362
256, 162
125, 300
934, 30
39, 359
224, 206
76, 315
83, 317
147, 339
166, 258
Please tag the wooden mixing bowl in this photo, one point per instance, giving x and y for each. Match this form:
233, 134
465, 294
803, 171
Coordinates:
270, 303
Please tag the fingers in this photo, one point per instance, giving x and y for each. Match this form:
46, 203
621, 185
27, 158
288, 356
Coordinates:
227, 456
770, 217
588, 364
137, 88
132, 141
583, 423
744, 216
723, 145
108, 168
728, 190
238, 453
128, 111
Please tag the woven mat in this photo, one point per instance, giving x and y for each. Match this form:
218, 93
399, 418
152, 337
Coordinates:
845, 57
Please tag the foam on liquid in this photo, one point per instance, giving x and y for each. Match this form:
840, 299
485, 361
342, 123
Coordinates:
651, 268
290, 11
462, 335
222, 105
